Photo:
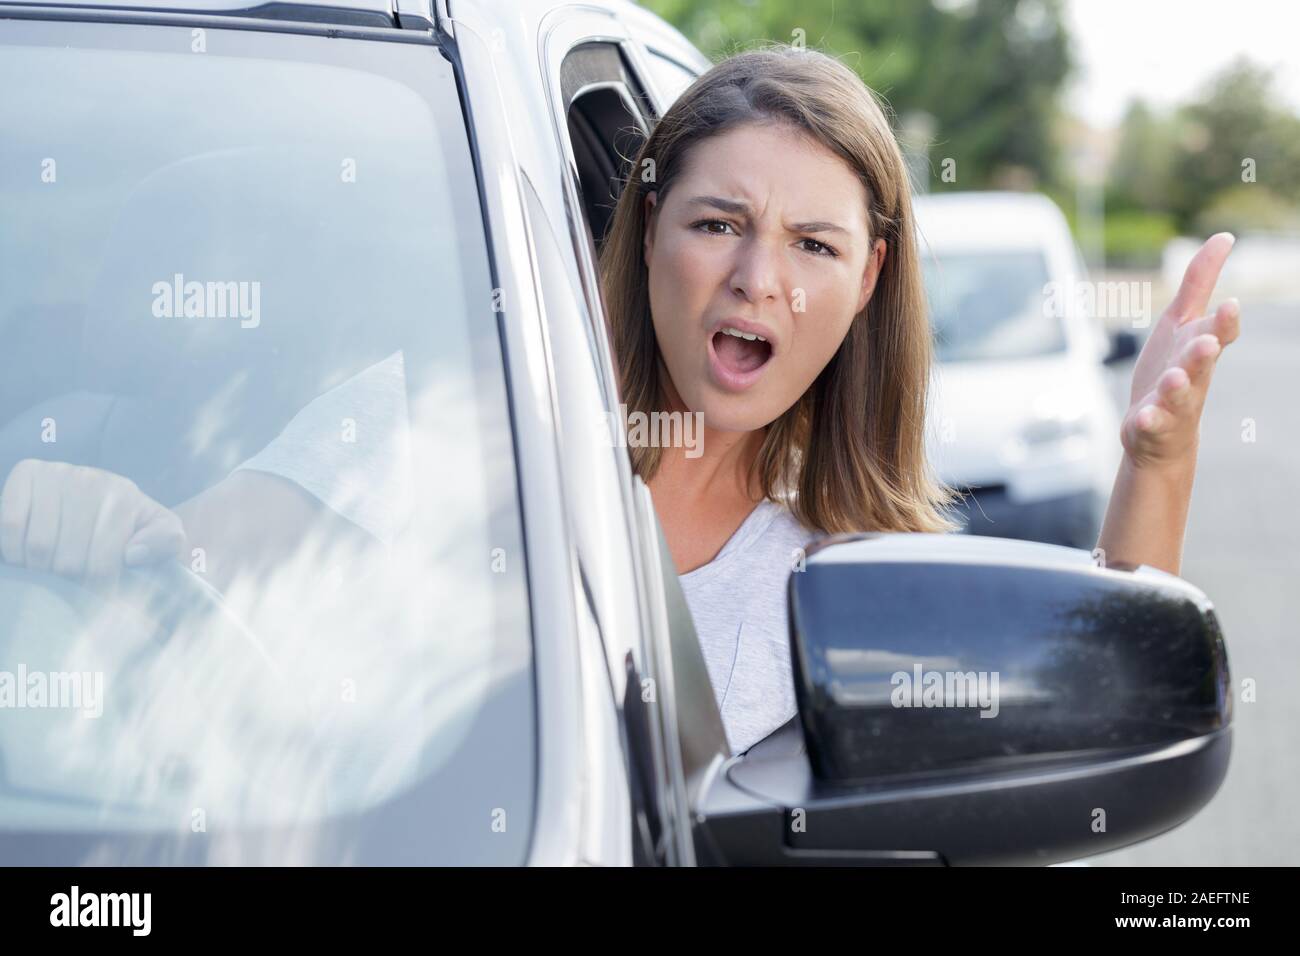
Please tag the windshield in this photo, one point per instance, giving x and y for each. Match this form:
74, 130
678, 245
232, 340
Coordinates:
990, 306
263, 596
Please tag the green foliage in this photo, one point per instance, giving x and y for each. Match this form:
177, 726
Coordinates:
1140, 172
979, 82
1236, 122
1136, 238
1248, 208
1229, 156
978, 79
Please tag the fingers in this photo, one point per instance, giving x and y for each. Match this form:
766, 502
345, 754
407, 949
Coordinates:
43, 520
1224, 324
113, 526
1179, 391
1197, 359
158, 536
79, 508
1178, 387
34, 531
15, 504
1159, 408
1174, 389
1193, 296
82, 522
1163, 425
1154, 420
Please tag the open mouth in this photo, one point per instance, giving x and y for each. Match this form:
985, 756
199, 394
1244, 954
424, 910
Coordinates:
740, 353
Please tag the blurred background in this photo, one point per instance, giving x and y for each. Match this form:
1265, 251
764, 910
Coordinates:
1070, 156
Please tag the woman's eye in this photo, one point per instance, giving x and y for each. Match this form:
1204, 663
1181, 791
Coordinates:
821, 248
705, 223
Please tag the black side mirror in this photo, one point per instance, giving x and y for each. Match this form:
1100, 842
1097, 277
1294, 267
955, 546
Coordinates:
1123, 346
982, 701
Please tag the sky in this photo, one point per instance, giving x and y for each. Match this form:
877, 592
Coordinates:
1164, 50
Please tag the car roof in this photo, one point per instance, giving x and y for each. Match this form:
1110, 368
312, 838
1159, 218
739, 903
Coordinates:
357, 12
377, 13
984, 219
201, 6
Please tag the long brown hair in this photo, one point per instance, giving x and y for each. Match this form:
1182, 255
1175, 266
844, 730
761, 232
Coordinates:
850, 454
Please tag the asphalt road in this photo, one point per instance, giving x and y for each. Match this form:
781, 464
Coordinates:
1241, 550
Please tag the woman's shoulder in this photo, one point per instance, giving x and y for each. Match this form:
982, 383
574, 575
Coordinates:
786, 528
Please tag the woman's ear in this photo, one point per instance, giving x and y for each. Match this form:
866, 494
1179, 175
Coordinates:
651, 198
871, 274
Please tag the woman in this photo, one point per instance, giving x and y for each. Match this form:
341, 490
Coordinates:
762, 270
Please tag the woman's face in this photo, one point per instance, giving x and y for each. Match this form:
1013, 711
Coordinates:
764, 233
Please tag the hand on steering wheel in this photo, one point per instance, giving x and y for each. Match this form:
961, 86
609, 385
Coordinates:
98, 529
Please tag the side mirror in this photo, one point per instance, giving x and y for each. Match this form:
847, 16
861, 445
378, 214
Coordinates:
981, 701
1123, 346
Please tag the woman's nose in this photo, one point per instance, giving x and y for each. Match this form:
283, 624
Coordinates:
757, 274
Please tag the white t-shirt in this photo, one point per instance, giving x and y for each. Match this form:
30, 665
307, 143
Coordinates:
739, 604
351, 448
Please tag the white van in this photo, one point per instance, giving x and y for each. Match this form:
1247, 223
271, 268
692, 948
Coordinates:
1021, 418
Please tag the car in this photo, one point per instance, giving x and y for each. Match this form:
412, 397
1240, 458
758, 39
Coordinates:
1023, 422
376, 226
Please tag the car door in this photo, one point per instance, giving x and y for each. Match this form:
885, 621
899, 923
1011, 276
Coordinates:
600, 110
606, 97
673, 62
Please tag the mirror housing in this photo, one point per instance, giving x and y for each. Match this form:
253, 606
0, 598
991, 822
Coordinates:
981, 701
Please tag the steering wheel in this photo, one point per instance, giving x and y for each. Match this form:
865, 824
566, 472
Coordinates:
171, 593
160, 618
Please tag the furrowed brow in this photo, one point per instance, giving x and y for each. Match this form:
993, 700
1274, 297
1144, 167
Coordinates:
737, 208
732, 206
818, 226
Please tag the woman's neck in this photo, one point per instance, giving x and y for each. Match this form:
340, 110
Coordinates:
717, 466
702, 500
720, 472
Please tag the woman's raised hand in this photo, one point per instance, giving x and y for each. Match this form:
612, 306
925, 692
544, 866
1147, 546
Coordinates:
1172, 375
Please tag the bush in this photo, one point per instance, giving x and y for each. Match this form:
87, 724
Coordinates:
1248, 207
1135, 239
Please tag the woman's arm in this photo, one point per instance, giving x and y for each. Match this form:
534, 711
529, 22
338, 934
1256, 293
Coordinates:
313, 491
1147, 515
252, 522
334, 484
89, 524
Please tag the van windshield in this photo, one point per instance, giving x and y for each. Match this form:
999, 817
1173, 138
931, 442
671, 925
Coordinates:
989, 306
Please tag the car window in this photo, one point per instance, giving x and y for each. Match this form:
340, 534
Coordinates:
251, 283
607, 118
992, 305
670, 76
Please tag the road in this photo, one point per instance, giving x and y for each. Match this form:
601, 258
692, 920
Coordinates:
1242, 551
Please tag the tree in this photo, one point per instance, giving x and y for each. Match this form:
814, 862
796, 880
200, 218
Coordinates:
1235, 135
1223, 160
1141, 170
984, 74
